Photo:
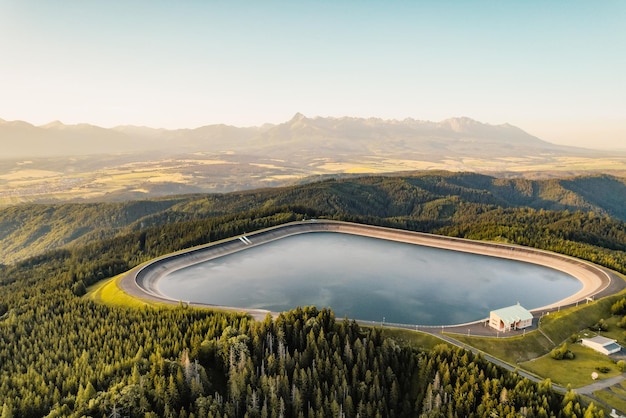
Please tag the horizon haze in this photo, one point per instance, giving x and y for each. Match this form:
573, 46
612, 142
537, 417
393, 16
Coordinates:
553, 69
84, 162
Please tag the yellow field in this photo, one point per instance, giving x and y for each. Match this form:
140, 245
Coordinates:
25, 182
29, 174
109, 293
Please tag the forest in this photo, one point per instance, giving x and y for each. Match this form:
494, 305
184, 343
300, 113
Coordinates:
65, 355
425, 199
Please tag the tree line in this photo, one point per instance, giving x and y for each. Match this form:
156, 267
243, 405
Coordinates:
432, 198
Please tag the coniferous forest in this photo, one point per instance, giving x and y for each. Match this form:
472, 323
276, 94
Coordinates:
62, 354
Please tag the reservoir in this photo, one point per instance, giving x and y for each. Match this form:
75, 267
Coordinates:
368, 279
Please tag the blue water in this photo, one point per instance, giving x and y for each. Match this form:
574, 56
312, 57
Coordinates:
369, 279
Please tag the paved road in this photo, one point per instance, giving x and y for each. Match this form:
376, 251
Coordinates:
600, 384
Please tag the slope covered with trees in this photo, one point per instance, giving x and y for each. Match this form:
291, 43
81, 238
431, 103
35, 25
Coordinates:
431, 198
64, 355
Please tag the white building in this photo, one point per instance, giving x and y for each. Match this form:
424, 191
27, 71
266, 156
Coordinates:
512, 317
602, 344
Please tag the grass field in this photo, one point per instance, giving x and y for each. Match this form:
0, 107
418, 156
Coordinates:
559, 326
614, 396
98, 178
109, 293
414, 339
576, 372
512, 350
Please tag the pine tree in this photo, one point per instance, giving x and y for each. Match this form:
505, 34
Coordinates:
7, 411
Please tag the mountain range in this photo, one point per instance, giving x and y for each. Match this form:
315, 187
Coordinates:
455, 136
58, 162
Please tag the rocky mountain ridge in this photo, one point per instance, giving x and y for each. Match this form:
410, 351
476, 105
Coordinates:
324, 134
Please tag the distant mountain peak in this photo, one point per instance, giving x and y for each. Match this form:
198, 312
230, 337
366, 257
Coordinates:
16, 124
462, 124
323, 137
53, 124
298, 117
301, 123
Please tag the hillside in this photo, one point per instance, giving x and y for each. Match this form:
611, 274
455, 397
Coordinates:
434, 199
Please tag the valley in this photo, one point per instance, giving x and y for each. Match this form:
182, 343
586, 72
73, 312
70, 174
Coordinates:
131, 162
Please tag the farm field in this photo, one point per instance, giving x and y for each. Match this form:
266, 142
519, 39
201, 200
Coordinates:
116, 178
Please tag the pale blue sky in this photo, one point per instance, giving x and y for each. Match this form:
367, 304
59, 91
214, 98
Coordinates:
554, 68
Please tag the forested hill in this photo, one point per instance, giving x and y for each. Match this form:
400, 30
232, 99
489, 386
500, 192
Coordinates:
423, 200
64, 355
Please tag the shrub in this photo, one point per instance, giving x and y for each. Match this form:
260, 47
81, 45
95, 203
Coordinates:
601, 325
562, 353
621, 365
622, 322
619, 307
603, 369
79, 288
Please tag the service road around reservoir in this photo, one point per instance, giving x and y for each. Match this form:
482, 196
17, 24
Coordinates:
141, 281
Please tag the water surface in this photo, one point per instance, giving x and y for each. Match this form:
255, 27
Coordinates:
370, 279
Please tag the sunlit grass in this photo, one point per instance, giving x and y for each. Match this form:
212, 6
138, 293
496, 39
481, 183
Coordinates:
413, 339
109, 293
559, 326
512, 350
619, 390
576, 372
29, 174
358, 170
610, 397
30, 183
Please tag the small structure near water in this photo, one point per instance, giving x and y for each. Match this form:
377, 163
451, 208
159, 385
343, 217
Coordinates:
602, 344
510, 318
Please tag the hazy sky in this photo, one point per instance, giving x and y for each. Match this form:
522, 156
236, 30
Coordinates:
557, 69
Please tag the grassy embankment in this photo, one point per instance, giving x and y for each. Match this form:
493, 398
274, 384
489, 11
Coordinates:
110, 293
413, 339
614, 396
